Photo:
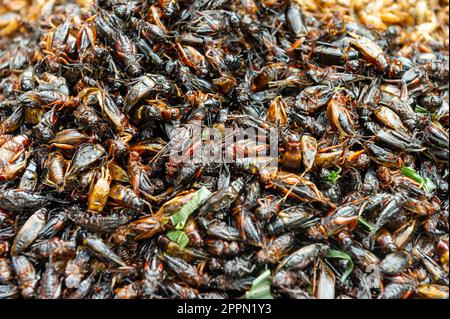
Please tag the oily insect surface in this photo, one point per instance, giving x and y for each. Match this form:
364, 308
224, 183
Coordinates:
96, 95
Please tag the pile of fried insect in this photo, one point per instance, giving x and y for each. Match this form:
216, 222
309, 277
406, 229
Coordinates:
94, 95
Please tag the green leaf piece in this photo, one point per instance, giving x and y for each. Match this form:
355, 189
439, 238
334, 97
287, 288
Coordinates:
260, 287
334, 176
338, 254
178, 237
179, 219
422, 110
366, 223
426, 183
